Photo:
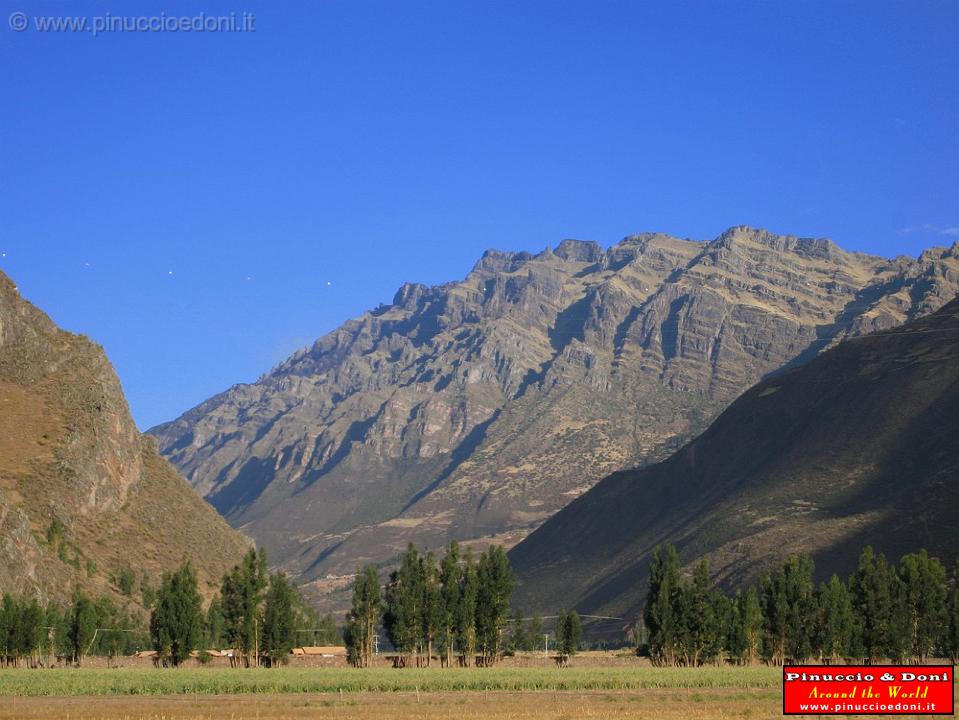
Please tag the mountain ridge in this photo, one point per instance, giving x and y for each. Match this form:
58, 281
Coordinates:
477, 408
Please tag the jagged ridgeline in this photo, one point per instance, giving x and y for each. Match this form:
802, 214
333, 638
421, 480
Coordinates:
85, 499
479, 408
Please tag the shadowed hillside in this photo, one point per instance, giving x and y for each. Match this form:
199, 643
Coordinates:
857, 447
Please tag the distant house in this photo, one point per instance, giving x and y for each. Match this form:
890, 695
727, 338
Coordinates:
321, 651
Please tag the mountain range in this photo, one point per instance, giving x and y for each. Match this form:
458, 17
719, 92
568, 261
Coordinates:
857, 447
477, 409
84, 496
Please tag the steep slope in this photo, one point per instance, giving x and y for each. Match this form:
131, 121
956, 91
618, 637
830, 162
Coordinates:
856, 447
479, 408
83, 495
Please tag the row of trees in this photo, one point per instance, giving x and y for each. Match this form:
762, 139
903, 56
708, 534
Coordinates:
458, 607
33, 634
259, 615
882, 611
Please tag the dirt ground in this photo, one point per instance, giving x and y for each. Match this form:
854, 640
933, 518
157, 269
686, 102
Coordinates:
658, 704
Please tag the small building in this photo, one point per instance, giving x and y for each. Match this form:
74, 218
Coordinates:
327, 651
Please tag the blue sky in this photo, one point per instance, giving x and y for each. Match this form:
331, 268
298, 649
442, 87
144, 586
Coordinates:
291, 177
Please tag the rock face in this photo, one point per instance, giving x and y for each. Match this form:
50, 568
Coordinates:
83, 494
477, 409
857, 447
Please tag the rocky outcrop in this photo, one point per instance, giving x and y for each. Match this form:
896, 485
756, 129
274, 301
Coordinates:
478, 408
83, 495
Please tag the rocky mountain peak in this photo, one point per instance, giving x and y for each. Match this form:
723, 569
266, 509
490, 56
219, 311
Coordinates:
479, 407
580, 250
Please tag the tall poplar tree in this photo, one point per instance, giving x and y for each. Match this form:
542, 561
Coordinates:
404, 605
279, 619
82, 625
241, 594
433, 609
924, 585
451, 576
176, 620
662, 598
466, 617
835, 621
496, 582
363, 617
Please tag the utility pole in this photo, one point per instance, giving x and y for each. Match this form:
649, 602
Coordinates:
546, 640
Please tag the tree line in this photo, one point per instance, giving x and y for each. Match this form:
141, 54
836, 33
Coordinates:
261, 616
34, 634
882, 611
458, 607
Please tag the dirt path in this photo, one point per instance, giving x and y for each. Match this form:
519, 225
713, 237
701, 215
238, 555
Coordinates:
665, 704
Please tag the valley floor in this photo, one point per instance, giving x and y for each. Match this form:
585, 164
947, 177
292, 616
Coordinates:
667, 704
500, 693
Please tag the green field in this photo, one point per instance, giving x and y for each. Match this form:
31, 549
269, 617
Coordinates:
208, 681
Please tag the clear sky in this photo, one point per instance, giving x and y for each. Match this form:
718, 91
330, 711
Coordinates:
202, 204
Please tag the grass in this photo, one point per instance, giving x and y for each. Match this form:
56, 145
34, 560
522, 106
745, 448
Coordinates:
208, 681
571, 705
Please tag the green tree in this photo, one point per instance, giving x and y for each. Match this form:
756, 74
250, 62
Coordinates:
28, 635
58, 641
363, 617
214, 627
125, 581
279, 619
872, 603
496, 581
835, 621
9, 627
450, 588
466, 617
951, 641
699, 635
404, 605
788, 603
924, 585
519, 640
535, 632
899, 632
661, 600
83, 626
176, 622
433, 610
148, 593
568, 633
241, 594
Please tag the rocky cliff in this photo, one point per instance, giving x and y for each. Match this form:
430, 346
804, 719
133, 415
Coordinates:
478, 408
83, 495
